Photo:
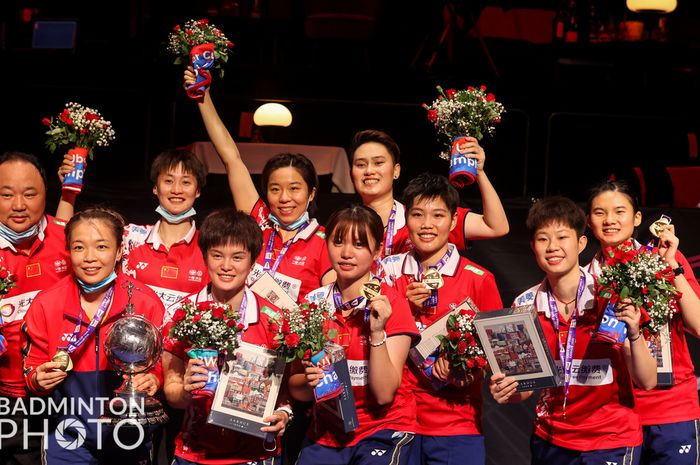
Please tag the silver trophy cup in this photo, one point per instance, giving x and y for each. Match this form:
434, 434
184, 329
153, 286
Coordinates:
133, 346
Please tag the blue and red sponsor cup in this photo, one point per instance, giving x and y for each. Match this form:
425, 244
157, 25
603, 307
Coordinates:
210, 357
329, 386
73, 181
462, 168
202, 59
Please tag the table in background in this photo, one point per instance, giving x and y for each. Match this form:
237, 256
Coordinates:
327, 160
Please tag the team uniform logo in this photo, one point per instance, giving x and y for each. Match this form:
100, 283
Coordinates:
141, 265
60, 266
33, 270
169, 272
195, 276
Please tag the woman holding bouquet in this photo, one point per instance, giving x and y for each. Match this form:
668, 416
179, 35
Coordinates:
290, 183
64, 352
375, 167
448, 419
376, 333
229, 241
669, 415
592, 417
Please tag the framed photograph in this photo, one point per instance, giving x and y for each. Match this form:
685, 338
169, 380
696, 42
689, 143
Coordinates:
247, 390
660, 348
514, 344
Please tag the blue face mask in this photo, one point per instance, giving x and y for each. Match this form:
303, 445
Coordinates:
14, 237
175, 219
296, 224
90, 288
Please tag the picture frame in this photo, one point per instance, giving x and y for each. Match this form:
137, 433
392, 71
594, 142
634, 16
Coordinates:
514, 344
247, 391
660, 348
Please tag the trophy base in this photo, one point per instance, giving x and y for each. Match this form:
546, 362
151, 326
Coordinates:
134, 407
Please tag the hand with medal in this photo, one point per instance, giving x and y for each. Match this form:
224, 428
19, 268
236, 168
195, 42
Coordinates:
668, 244
147, 382
50, 374
379, 313
417, 293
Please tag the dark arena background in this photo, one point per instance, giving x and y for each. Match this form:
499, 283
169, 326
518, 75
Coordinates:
620, 98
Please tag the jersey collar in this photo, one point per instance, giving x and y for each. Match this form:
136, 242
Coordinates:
43, 222
411, 266
585, 302
155, 240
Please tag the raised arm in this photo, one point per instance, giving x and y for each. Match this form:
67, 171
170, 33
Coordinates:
493, 221
240, 182
66, 204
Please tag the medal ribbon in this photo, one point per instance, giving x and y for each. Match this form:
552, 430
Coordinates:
269, 249
432, 301
73, 344
353, 304
566, 354
386, 249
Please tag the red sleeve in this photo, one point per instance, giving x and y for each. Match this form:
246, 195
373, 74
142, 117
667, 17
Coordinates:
401, 320
458, 234
486, 296
35, 343
260, 212
688, 272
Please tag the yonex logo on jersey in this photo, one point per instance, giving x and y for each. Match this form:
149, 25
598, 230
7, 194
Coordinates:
141, 265
610, 463
685, 449
379, 452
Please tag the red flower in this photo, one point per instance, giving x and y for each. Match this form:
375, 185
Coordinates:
490, 98
471, 363
454, 335
307, 354
274, 328
176, 28
83, 131
291, 340
451, 93
432, 116
46, 122
196, 317
481, 362
217, 312
189, 32
204, 306
483, 88
231, 323
229, 44
203, 22
240, 326
462, 347
497, 120
91, 117
285, 327
645, 290
313, 306
470, 88
4, 274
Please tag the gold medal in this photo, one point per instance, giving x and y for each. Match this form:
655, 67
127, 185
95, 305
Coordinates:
433, 279
655, 227
63, 357
371, 289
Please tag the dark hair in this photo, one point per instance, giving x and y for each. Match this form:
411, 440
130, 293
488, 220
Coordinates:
294, 160
430, 186
372, 135
111, 218
555, 210
227, 226
171, 159
358, 219
620, 186
27, 158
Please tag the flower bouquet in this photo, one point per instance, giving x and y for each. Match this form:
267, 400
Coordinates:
204, 46
461, 345
209, 328
644, 277
7, 282
303, 333
457, 114
82, 129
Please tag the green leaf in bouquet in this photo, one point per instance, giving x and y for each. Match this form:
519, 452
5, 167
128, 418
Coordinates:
179, 60
300, 353
624, 292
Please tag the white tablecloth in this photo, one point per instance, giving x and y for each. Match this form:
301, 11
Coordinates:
326, 160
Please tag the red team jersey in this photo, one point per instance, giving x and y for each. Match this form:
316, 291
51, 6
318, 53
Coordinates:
353, 335
600, 406
172, 273
203, 443
46, 262
449, 411
304, 262
677, 403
